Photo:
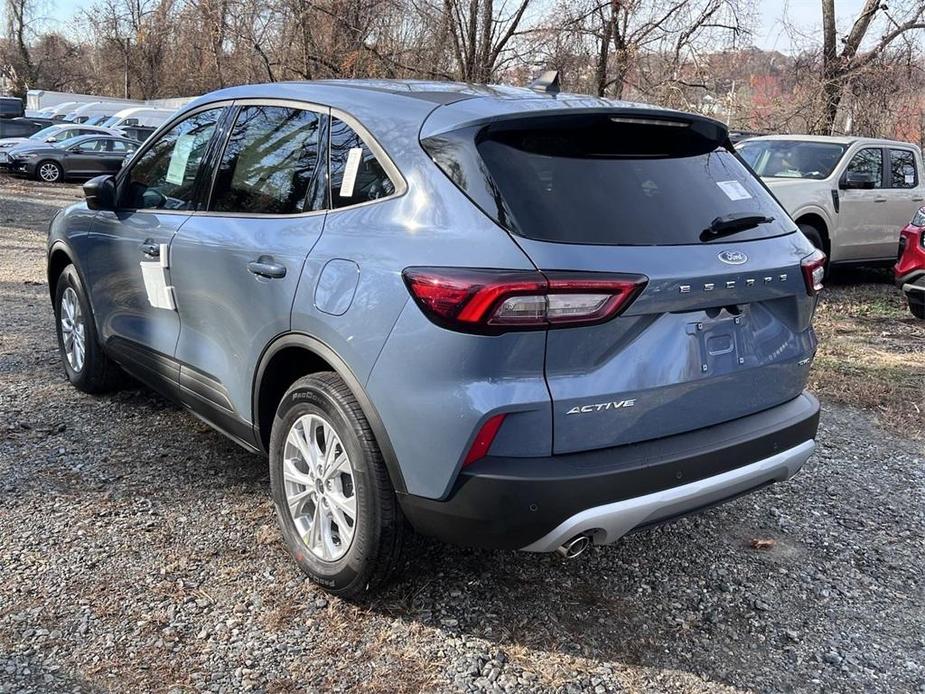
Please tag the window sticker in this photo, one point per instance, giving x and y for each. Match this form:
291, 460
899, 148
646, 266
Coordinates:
350, 171
179, 158
733, 190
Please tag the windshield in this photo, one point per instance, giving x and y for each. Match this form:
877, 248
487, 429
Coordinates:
44, 132
95, 120
110, 121
791, 158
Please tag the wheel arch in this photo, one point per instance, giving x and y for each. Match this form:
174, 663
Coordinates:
292, 356
819, 223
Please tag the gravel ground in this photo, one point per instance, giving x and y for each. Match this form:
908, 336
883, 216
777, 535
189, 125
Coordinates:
139, 553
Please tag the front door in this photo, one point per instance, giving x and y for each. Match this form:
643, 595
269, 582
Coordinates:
87, 158
864, 213
129, 271
905, 194
235, 268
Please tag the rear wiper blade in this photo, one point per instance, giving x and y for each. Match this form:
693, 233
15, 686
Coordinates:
732, 224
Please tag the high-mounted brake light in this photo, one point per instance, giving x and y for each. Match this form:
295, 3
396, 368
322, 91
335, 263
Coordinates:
496, 301
814, 271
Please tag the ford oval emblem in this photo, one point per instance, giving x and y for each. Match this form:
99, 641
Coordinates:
733, 257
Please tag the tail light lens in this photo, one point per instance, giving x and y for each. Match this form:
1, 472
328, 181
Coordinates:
814, 271
497, 301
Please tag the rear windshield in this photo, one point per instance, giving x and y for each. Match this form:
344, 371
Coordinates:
606, 180
791, 158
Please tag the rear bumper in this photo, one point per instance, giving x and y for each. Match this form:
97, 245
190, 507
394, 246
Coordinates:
536, 504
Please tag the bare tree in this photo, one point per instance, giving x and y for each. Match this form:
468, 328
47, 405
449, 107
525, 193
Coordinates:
838, 66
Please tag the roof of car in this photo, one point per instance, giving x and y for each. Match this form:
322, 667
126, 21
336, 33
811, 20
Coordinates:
388, 107
834, 139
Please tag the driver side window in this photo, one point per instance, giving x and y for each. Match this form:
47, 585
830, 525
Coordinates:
868, 161
164, 177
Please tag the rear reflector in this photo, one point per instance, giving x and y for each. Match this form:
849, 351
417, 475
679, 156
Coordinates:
496, 301
484, 439
814, 271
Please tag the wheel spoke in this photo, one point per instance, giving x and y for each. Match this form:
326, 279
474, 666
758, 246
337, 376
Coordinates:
297, 438
343, 504
293, 474
295, 500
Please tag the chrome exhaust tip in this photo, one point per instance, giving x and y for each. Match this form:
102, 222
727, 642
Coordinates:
574, 547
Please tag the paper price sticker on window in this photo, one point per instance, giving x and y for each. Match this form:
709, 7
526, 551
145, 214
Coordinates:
179, 158
734, 190
354, 156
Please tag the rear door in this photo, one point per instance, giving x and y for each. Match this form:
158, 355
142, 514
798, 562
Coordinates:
722, 327
235, 267
87, 158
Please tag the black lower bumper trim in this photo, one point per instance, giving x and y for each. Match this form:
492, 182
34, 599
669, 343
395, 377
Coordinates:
508, 503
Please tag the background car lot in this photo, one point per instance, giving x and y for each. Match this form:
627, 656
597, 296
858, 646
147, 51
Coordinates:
140, 550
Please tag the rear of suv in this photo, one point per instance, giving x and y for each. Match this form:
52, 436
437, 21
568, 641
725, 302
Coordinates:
509, 318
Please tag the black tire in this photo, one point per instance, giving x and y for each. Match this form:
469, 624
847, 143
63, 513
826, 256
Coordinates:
917, 308
50, 165
379, 526
815, 238
98, 373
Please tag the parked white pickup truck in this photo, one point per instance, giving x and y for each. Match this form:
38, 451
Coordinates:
849, 195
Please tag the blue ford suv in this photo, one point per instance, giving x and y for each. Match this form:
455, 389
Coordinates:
504, 317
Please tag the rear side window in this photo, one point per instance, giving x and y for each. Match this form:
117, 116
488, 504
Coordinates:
607, 179
164, 177
270, 163
902, 169
868, 161
356, 174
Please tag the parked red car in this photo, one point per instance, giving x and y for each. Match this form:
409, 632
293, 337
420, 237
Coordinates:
910, 266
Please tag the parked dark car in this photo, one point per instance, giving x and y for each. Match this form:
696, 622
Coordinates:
22, 127
80, 157
10, 107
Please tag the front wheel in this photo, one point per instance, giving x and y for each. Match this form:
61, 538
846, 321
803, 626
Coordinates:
334, 501
917, 306
86, 365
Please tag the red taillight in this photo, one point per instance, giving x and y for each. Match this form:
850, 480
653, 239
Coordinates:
814, 271
495, 301
483, 439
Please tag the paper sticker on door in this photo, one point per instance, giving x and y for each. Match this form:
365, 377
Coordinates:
154, 274
179, 158
734, 190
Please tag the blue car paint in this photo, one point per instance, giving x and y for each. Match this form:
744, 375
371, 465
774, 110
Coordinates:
432, 388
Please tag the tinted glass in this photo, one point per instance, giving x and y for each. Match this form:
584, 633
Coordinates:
356, 174
790, 158
165, 175
44, 133
270, 163
868, 161
591, 180
119, 146
902, 169
91, 145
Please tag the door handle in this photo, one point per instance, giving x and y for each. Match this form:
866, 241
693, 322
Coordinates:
879, 199
150, 249
265, 266
917, 199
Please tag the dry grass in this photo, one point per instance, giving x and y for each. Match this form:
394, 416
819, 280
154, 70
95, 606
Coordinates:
871, 350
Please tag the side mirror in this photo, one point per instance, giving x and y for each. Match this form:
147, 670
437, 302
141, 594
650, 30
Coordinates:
100, 193
857, 180
51, 140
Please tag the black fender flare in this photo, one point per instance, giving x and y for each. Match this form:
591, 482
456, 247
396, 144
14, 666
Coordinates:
320, 349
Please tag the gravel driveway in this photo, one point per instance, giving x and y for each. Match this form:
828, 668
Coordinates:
138, 552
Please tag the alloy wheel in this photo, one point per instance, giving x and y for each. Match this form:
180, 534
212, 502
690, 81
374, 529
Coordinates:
73, 330
319, 485
49, 172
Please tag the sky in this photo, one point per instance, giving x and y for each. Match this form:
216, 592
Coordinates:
770, 31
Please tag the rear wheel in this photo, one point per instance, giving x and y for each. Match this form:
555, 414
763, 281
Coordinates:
48, 171
815, 238
334, 501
